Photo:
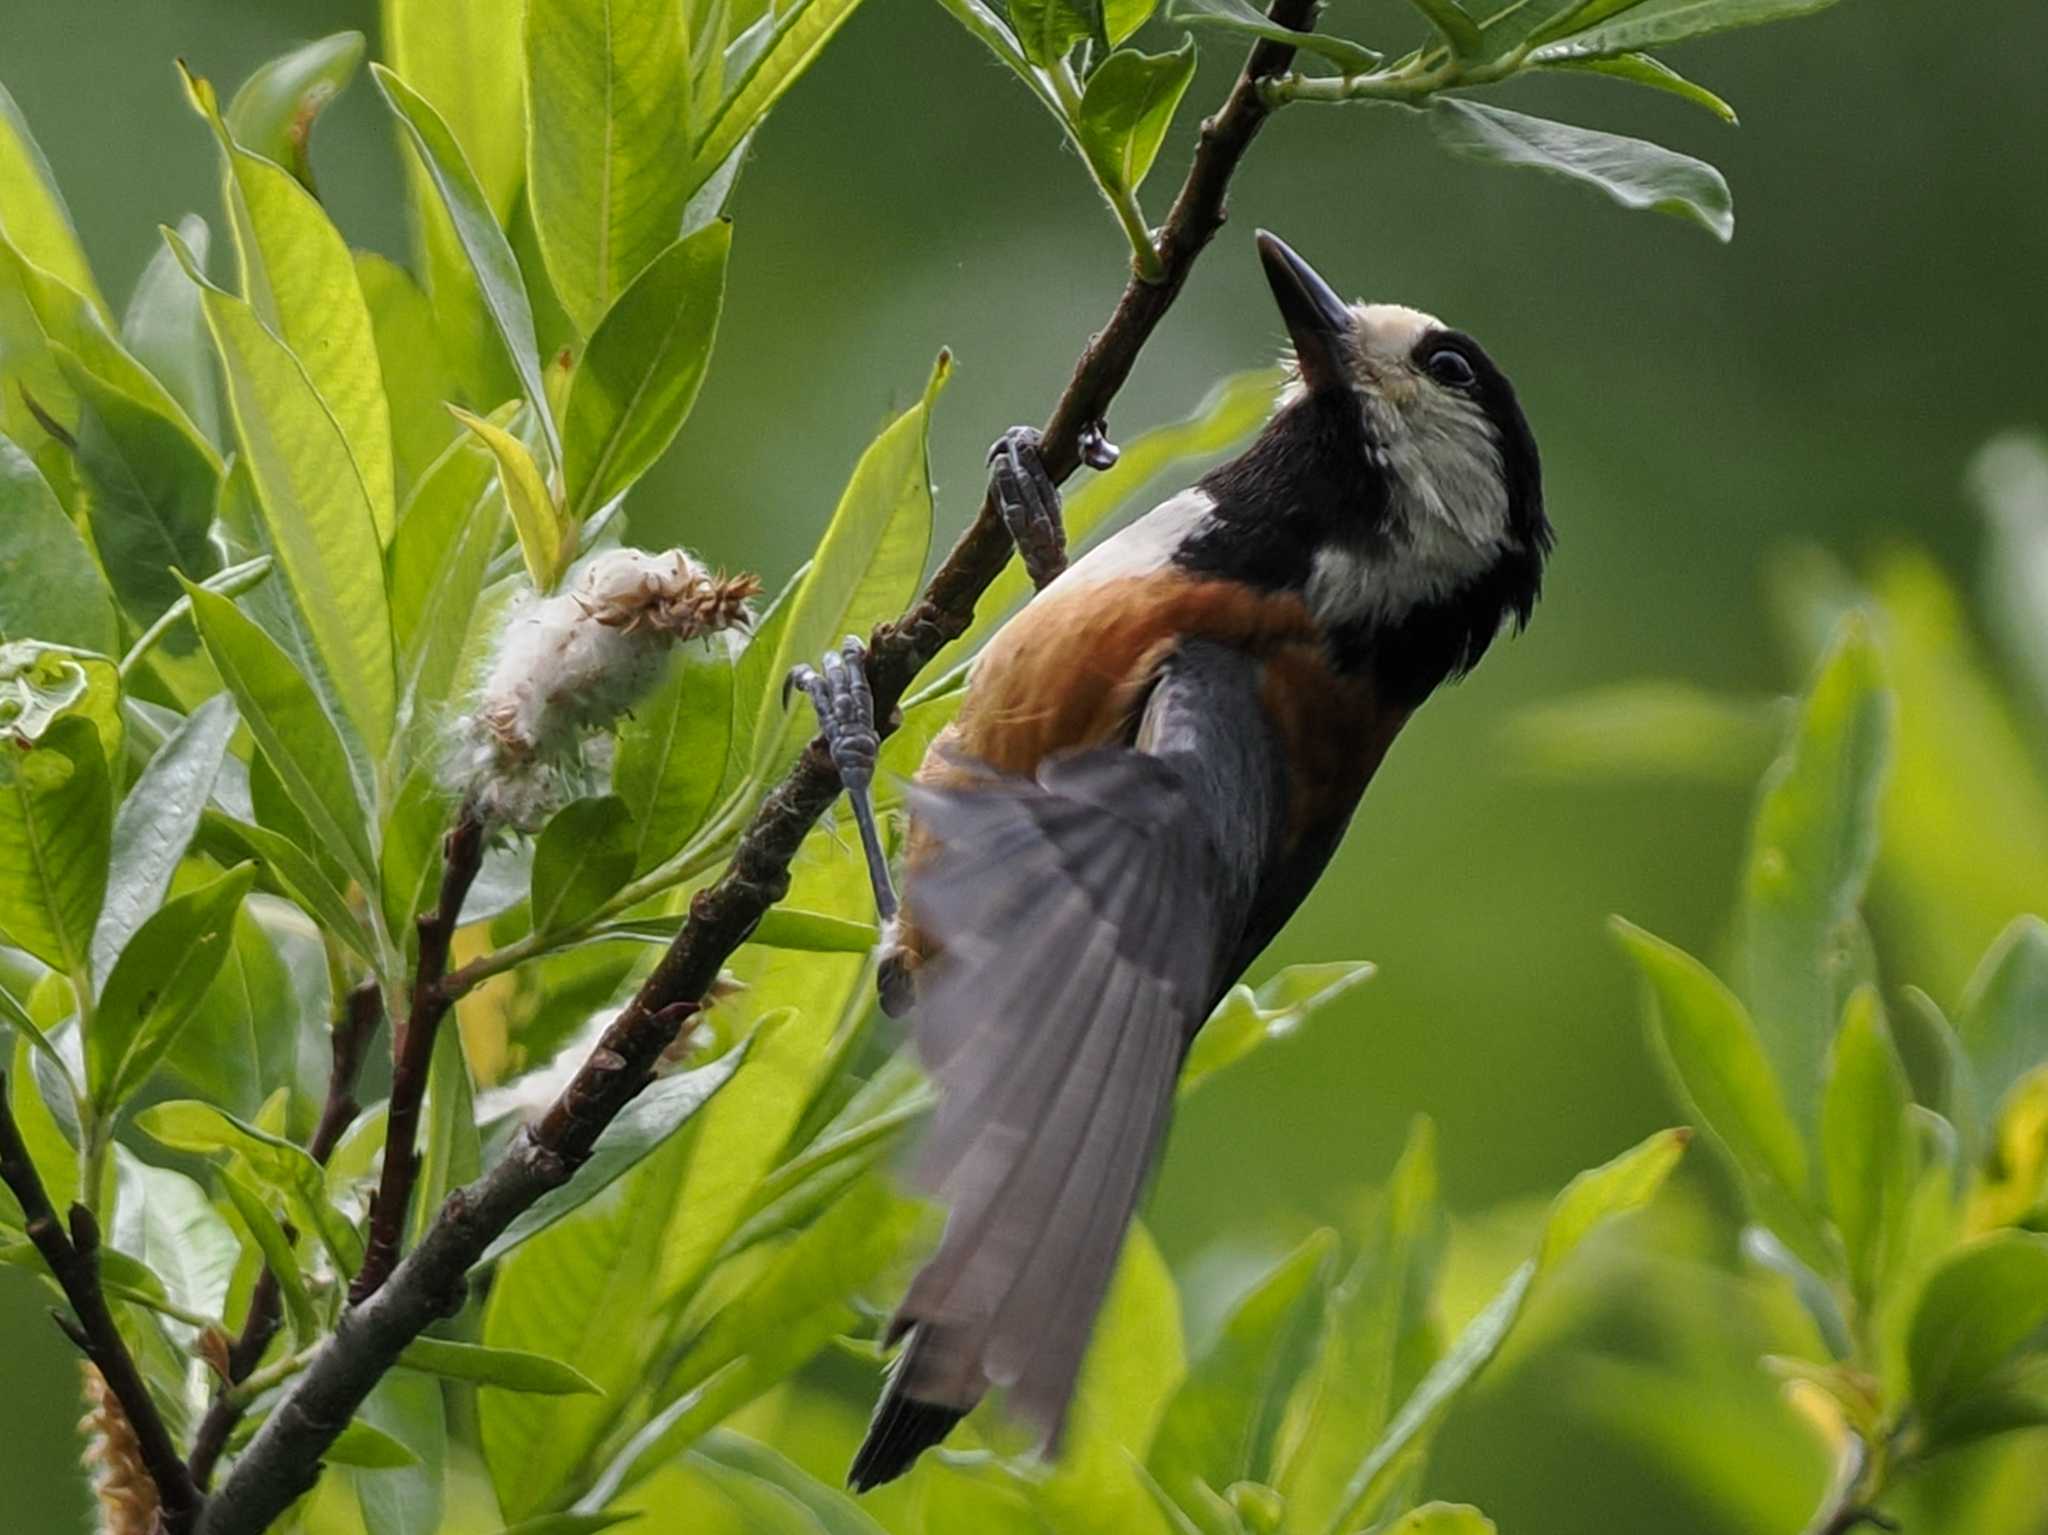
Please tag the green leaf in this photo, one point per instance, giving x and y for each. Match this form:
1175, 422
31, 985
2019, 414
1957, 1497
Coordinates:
1812, 845
33, 218
49, 586
185, 1124
165, 328
277, 1254
165, 1222
865, 570
607, 89
405, 1500
1634, 173
124, 1277
1378, 1338
162, 973
1047, 30
490, 256
1122, 18
995, 34
299, 875
1412, 1427
1657, 22
1246, 1019
1978, 1308
154, 487
780, 927
274, 110
1453, 25
2003, 1024
1614, 1188
1577, 17
1721, 1068
56, 820
1134, 1366
509, 1369
1218, 1429
301, 283
291, 730
571, 1524
1247, 20
465, 57
369, 1449
636, 381
313, 509
583, 857
1443, 1519
413, 359
1655, 730
1127, 108
446, 536
453, 1156
1644, 69
40, 684
1867, 1150
546, 540
801, 31
733, 1461
644, 1125
673, 749
156, 823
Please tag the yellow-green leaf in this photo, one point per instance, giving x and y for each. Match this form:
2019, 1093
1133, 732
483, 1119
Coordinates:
56, 822
801, 32
1127, 108
33, 217
608, 146
49, 587
546, 541
1627, 1183
274, 110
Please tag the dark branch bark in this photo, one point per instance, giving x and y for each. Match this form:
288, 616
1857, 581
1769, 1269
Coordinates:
350, 1040
283, 1460
412, 1051
74, 1260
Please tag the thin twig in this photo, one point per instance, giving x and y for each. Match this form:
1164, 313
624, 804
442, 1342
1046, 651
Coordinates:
74, 1260
283, 1459
412, 1051
350, 1040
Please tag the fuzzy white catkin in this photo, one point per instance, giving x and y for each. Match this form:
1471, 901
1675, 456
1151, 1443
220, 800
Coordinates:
576, 662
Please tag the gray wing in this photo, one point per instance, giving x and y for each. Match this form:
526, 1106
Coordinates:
1085, 917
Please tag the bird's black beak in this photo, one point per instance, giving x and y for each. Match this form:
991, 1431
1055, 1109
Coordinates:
1318, 322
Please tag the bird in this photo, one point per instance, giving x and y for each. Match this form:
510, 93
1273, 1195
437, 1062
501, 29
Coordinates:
1154, 761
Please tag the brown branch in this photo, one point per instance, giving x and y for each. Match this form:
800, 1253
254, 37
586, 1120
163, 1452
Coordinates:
283, 1460
350, 1040
74, 1261
412, 1051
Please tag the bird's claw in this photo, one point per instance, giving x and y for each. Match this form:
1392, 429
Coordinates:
845, 705
1029, 504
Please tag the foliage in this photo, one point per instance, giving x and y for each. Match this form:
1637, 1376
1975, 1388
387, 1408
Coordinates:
270, 569
1894, 1161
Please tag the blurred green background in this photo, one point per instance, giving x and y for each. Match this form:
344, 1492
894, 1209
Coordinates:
1825, 379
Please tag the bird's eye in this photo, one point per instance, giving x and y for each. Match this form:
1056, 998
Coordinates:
1451, 369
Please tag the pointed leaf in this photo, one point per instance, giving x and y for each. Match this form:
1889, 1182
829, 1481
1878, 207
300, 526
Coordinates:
1812, 846
413, 359
156, 823
1247, 20
277, 1254
636, 381
49, 586
608, 101
1453, 25
313, 508
2003, 1024
583, 857
1657, 22
672, 751
274, 110
56, 819
1627, 1183
1244, 1020
290, 728
1984, 1301
476, 228
1644, 69
166, 1223
1047, 30
508, 1369
33, 218
165, 328
1443, 1519
1634, 173
1127, 108
800, 33
1867, 1150
300, 280
369, 1449
546, 541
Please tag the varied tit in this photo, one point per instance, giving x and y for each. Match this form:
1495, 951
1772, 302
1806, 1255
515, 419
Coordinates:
1154, 762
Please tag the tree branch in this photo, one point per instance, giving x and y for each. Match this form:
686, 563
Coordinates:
350, 1040
74, 1260
283, 1460
412, 1050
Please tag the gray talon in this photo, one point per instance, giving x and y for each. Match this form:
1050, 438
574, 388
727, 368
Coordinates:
1029, 503
845, 705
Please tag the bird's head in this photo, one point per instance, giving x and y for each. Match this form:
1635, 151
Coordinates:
1399, 473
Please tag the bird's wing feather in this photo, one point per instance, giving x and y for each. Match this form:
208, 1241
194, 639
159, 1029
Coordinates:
1083, 918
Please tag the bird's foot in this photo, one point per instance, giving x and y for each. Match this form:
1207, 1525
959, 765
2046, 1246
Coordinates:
838, 690
1029, 504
